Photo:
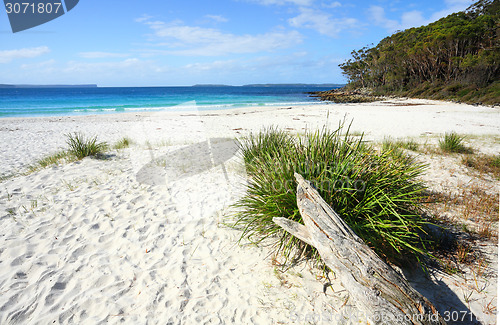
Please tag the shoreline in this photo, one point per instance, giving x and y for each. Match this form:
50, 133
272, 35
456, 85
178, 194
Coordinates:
163, 109
391, 101
89, 101
90, 241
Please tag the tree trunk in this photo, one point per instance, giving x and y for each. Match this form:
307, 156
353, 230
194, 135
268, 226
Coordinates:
381, 293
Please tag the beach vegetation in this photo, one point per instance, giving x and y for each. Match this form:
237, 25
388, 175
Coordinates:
167, 143
453, 143
53, 159
474, 208
376, 193
69, 185
123, 143
6, 176
81, 146
484, 163
409, 144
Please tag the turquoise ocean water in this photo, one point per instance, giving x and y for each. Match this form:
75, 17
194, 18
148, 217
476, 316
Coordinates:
27, 102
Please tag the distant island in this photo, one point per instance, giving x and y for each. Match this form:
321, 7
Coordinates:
48, 86
455, 58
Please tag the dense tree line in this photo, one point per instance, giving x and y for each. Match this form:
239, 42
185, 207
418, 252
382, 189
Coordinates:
462, 49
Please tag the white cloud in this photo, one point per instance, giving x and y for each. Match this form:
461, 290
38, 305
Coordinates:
321, 22
7, 56
45, 66
187, 34
217, 18
334, 4
408, 19
129, 71
102, 55
377, 16
452, 6
414, 18
278, 68
283, 2
83, 67
143, 18
459, 3
291, 67
126, 72
194, 40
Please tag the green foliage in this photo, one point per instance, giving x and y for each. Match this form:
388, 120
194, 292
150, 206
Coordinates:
82, 147
270, 141
495, 161
469, 93
376, 194
389, 144
123, 143
462, 49
53, 159
453, 142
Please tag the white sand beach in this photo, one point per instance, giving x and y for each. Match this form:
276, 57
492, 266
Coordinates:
101, 241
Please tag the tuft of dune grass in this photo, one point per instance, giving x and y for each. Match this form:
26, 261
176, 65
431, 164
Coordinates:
81, 146
123, 143
377, 194
53, 159
453, 143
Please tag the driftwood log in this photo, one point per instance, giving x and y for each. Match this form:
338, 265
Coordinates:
379, 292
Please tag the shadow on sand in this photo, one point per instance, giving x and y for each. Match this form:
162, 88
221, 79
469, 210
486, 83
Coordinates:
449, 305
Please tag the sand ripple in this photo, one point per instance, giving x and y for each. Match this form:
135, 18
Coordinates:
87, 243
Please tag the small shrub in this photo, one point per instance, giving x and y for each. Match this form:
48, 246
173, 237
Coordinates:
376, 194
452, 89
452, 142
464, 92
82, 147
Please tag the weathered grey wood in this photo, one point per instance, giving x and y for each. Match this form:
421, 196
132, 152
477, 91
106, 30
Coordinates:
381, 293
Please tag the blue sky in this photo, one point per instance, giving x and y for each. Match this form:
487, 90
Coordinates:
167, 43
